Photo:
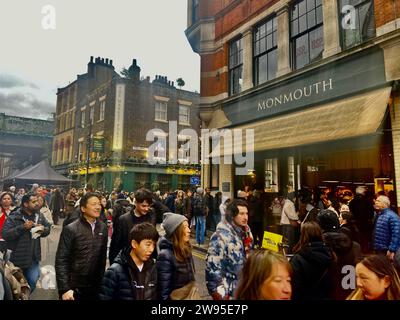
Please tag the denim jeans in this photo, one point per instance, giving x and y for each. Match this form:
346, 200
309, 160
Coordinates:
32, 274
200, 229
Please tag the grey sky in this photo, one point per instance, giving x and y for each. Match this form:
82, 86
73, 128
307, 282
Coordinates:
34, 62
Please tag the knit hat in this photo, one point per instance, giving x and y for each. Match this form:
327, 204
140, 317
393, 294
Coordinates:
328, 220
171, 222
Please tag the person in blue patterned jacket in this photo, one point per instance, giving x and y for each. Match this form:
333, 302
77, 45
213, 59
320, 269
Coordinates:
387, 228
229, 247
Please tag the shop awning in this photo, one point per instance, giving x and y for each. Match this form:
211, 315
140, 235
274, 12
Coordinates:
351, 117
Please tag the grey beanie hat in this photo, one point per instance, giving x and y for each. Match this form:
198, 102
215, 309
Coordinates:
171, 222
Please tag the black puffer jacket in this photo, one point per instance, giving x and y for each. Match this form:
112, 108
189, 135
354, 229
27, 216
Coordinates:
172, 274
81, 255
311, 276
25, 250
124, 281
346, 253
120, 236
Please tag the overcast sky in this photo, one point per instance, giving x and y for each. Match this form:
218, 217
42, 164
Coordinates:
34, 62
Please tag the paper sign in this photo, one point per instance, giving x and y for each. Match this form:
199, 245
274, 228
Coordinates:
271, 241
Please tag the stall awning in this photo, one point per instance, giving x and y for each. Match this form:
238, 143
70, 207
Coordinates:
351, 117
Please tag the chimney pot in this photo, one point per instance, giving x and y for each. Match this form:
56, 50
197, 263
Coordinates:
134, 63
106, 60
91, 59
111, 62
172, 83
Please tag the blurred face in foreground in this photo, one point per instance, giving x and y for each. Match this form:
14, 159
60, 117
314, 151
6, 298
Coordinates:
372, 287
278, 285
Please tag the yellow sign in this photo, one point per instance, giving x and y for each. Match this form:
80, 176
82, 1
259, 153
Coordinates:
271, 241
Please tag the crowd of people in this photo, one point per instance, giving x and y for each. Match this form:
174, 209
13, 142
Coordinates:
145, 238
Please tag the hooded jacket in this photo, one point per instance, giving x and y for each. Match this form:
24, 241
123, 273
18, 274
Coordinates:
225, 259
172, 274
124, 281
311, 277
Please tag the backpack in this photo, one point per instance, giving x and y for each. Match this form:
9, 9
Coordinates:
16, 280
199, 206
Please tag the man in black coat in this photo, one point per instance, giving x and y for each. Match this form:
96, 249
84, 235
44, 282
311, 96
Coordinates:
363, 212
81, 253
22, 231
133, 275
141, 213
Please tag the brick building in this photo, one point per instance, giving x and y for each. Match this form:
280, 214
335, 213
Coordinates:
317, 80
116, 113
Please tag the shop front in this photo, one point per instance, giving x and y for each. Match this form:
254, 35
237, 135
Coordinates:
327, 127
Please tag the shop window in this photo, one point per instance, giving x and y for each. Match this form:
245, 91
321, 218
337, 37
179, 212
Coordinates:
357, 22
306, 32
235, 66
265, 51
271, 175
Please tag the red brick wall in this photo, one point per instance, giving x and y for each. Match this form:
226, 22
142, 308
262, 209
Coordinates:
211, 86
385, 11
238, 15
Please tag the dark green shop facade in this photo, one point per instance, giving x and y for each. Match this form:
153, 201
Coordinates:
131, 178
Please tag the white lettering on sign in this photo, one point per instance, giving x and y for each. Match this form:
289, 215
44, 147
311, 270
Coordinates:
119, 117
295, 95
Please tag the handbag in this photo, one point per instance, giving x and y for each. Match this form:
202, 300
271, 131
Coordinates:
188, 291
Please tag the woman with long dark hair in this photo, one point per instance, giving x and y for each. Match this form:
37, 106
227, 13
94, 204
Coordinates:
175, 262
311, 265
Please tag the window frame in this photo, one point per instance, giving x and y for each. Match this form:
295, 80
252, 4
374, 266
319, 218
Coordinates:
186, 115
266, 52
307, 31
360, 34
159, 103
232, 69
102, 110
